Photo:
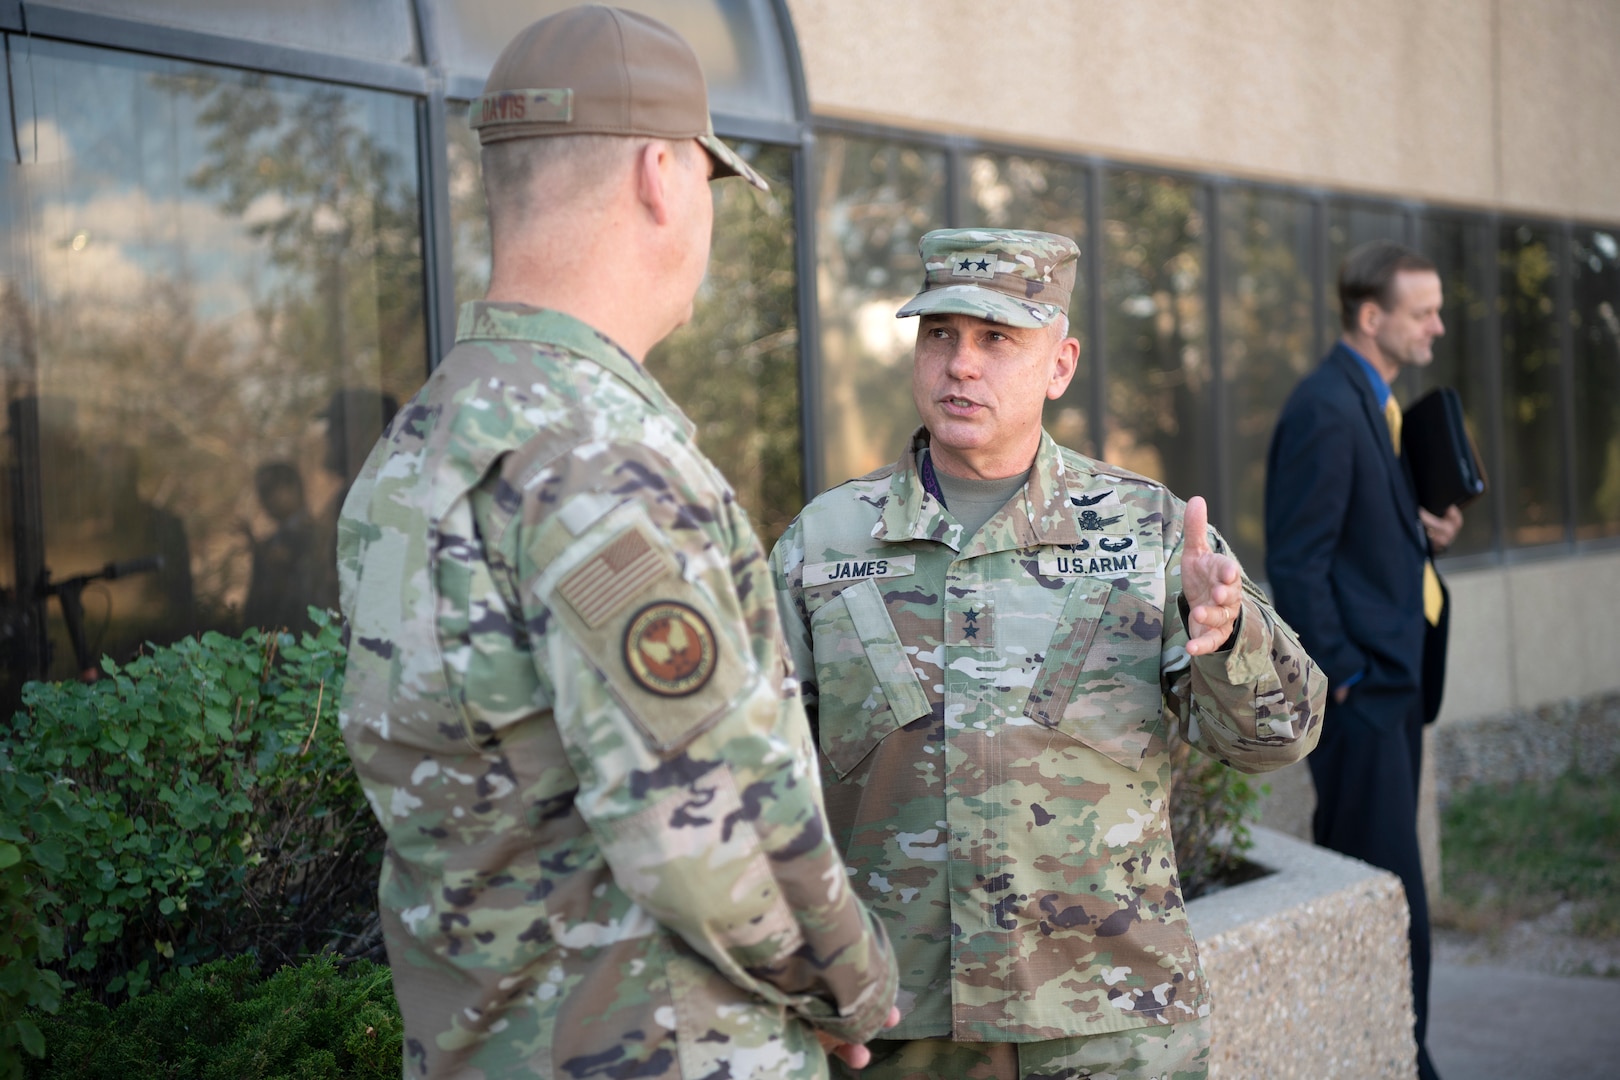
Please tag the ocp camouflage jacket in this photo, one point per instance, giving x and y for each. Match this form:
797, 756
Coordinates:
992, 719
569, 703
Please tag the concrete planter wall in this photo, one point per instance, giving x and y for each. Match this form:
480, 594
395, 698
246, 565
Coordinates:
1307, 968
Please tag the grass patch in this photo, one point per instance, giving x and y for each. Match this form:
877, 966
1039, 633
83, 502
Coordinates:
1511, 853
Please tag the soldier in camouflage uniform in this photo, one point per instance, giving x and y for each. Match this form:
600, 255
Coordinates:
568, 693
994, 634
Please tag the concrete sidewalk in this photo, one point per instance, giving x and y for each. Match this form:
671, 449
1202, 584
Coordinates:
1498, 1023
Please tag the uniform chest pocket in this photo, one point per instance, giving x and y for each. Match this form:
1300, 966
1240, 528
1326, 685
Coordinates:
1100, 682
866, 685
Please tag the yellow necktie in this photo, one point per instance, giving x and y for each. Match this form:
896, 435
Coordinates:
1433, 598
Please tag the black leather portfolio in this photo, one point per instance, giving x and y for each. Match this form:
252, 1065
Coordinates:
1436, 446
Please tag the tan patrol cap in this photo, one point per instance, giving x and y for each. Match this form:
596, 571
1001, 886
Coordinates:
595, 70
1008, 276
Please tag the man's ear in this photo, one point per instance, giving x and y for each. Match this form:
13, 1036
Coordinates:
1068, 358
1368, 316
653, 164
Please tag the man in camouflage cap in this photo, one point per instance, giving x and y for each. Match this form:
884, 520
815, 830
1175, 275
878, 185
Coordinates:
568, 695
993, 635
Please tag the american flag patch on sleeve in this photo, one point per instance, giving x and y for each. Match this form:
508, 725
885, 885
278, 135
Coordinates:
611, 578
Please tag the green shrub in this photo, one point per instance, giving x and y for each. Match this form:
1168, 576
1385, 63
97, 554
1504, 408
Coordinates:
1211, 807
195, 803
26, 944
221, 1021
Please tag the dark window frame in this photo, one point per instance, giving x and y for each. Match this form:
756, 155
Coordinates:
1321, 200
427, 83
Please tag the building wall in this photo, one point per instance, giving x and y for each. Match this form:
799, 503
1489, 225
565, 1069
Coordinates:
1498, 104
1495, 103
1532, 634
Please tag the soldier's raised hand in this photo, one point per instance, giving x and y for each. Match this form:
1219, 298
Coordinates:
1211, 582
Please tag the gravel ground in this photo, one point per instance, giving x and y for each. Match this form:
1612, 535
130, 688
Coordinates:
1546, 945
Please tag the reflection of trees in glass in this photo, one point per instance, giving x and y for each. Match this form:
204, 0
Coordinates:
212, 259
1010, 192
1532, 449
337, 212
1464, 252
734, 368
469, 217
321, 178
877, 198
1595, 318
1266, 338
1154, 251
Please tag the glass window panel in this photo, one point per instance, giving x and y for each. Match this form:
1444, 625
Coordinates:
1266, 347
19, 555
1016, 192
734, 368
1595, 319
224, 304
1532, 450
1154, 255
877, 198
372, 29
737, 43
469, 216
1462, 250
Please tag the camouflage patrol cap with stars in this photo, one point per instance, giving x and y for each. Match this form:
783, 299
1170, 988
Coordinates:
1007, 276
596, 70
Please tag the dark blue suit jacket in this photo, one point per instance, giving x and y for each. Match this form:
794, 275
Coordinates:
1345, 549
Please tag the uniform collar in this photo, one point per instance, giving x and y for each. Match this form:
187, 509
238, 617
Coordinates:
1040, 514
483, 320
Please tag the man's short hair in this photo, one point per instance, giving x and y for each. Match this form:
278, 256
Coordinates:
1368, 273
573, 165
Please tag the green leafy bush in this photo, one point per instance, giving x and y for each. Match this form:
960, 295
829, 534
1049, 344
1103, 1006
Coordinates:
1211, 807
221, 1021
26, 945
195, 803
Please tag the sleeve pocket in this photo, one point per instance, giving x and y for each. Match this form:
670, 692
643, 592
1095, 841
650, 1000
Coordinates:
657, 641
1100, 682
866, 684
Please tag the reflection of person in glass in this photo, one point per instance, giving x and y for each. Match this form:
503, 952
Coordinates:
1348, 551
80, 523
138, 528
278, 592
355, 418
567, 693
991, 634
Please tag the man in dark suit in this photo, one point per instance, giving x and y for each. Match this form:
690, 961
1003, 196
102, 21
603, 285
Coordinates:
1349, 554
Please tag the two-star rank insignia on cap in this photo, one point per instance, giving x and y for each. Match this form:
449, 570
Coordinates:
974, 266
669, 649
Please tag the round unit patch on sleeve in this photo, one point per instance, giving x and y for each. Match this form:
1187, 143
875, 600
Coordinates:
669, 649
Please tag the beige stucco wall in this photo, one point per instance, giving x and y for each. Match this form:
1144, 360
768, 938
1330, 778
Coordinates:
1530, 634
1499, 103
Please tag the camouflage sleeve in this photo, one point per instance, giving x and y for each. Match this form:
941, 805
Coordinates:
653, 617
1255, 705
787, 577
